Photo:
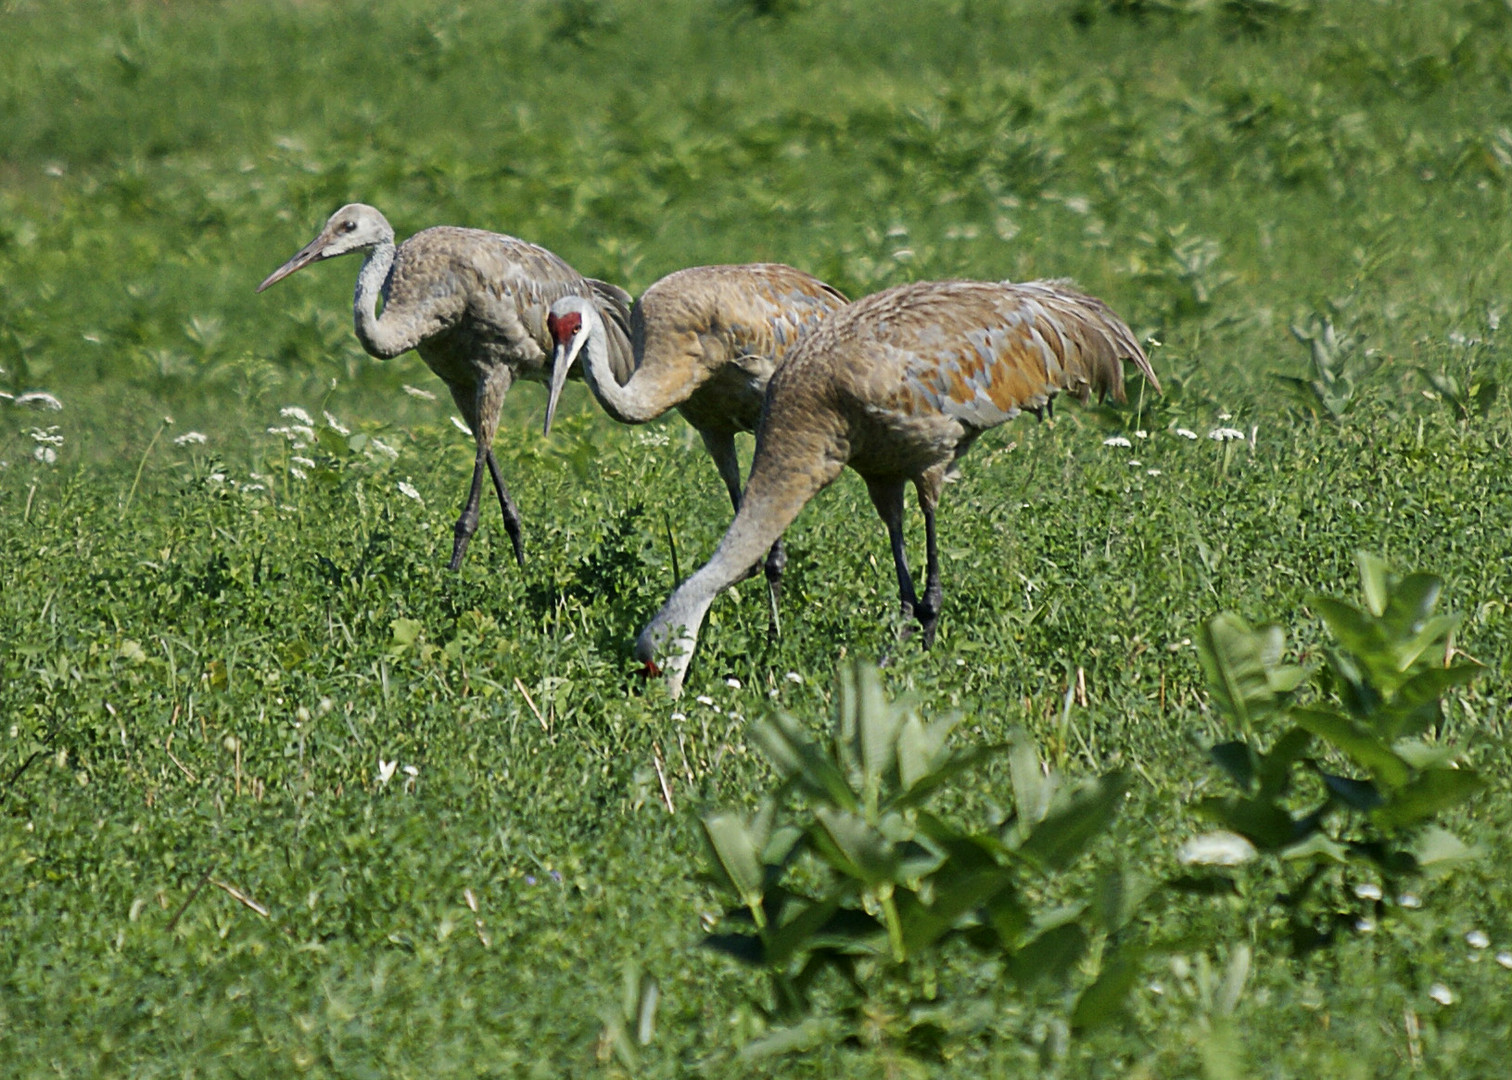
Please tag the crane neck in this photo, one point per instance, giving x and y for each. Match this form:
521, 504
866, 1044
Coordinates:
628, 403
379, 337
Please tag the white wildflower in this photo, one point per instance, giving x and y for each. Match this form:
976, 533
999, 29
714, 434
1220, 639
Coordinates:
191, 438
1225, 415
704, 699
1218, 848
678, 717
216, 478
1504, 958
1224, 434
408, 489
1117, 440
386, 770
298, 474
1135, 464
651, 438
253, 487
1441, 994
1186, 433
1152, 472
794, 677
411, 771
336, 425
378, 446
304, 435
1365, 925
415, 391
294, 412
733, 683
1477, 939
1410, 900
37, 399
1368, 890
49, 437
45, 454
460, 426
303, 462
1141, 434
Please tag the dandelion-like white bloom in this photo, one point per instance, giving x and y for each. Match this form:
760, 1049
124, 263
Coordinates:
1186, 433
733, 683
336, 425
412, 771
303, 462
1477, 939
678, 717
298, 473
1441, 994
386, 770
1365, 925
1410, 900
294, 412
1141, 434
1504, 958
1224, 434
406, 488
1152, 472
1225, 415
1133, 464
45, 454
305, 433
191, 438
1368, 890
794, 677
461, 426
704, 699
1218, 848
1117, 440
253, 487
48, 437
1493, 319
37, 399
651, 438
415, 391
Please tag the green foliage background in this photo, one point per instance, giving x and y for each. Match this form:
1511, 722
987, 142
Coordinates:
204, 658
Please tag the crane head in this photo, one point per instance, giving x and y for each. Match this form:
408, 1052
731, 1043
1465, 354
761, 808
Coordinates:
571, 321
355, 227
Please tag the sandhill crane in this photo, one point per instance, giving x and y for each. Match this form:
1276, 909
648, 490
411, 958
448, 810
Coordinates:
706, 341
897, 386
474, 305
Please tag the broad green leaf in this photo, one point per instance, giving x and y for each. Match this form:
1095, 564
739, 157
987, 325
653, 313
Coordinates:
797, 931
877, 723
1075, 822
1432, 791
1359, 795
737, 857
1237, 759
921, 748
1263, 823
1274, 769
799, 759
1317, 847
956, 895
1356, 743
1243, 667
1032, 789
1375, 581
1052, 954
1416, 705
853, 847
1103, 1000
1436, 849
815, 1031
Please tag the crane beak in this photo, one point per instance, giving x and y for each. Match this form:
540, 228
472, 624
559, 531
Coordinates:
311, 252
562, 359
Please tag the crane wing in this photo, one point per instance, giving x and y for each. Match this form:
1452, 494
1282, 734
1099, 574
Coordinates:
981, 352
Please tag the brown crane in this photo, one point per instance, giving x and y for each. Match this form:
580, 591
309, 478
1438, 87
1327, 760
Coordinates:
473, 304
897, 386
706, 341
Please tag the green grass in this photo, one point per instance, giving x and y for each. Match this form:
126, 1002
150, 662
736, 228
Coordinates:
204, 658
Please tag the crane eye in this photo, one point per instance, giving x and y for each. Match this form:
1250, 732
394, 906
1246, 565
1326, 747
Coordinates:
350, 226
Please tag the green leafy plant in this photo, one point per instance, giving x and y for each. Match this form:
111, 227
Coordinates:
1337, 364
843, 869
1363, 737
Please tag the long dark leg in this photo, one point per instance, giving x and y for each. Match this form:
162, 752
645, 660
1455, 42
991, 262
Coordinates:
511, 514
887, 497
928, 610
467, 524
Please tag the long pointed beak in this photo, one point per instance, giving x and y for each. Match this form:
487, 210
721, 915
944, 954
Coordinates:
302, 258
562, 359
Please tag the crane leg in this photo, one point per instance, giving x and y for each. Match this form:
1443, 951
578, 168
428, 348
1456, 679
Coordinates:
928, 610
887, 497
511, 513
467, 524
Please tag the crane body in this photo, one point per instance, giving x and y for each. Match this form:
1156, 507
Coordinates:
898, 386
474, 305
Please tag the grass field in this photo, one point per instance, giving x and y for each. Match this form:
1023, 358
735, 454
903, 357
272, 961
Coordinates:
281, 796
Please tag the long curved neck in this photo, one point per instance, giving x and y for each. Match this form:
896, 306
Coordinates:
644, 396
381, 337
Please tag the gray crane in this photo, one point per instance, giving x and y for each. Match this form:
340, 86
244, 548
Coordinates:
473, 304
706, 342
898, 386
